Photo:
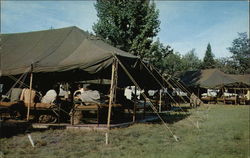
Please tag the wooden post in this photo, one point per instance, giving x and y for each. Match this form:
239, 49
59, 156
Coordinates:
30, 90
134, 111
235, 101
160, 102
222, 91
112, 89
144, 108
198, 92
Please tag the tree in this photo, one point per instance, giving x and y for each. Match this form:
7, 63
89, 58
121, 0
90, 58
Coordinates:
127, 24
157, 55
208, 60
226, 65
191, 61
240, 50
173, 63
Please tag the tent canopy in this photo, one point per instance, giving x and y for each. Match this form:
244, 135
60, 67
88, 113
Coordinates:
56, 50
69, 54
212, 78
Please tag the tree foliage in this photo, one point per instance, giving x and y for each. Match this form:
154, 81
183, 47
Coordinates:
226, 65
191, 61
208, 60
173, 63
158, 53
240, 50
170, 62
127, 24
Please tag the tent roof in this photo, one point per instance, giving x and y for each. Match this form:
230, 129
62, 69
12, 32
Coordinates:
242, 78
212, 78
56, 50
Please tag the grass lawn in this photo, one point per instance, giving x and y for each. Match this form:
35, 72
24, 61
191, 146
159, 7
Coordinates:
223, 133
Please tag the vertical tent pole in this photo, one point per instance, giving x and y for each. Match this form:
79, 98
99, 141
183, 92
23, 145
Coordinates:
30, 90
112, 89
134, 110
235, 100
160, 102
198, 92
224, 100
144, 108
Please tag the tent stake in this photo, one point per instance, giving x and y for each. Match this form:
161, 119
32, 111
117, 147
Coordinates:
31, 140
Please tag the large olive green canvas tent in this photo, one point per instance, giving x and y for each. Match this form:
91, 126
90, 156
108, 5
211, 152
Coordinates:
55, 50
71, 53
66, 50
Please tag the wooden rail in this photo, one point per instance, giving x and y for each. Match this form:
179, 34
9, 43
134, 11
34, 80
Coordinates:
33, 105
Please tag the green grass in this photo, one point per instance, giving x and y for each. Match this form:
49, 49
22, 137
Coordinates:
223, 133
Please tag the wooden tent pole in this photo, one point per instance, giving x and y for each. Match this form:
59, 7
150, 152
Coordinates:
30, 91
144, 108
135, 100
160, 102
112, 90
235, 100
198, 92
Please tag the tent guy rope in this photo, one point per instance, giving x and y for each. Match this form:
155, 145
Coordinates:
145, 97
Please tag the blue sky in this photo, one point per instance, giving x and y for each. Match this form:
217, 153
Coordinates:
184, 24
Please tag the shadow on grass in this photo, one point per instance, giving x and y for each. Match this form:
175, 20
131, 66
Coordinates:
181, 109
169, 118
13, 127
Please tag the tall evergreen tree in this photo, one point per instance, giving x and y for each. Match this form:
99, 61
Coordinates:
208, 60
127, 24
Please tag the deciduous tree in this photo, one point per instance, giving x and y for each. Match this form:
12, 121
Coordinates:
240, 50
127, 24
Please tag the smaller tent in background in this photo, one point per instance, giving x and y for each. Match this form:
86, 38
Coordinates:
202, 81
